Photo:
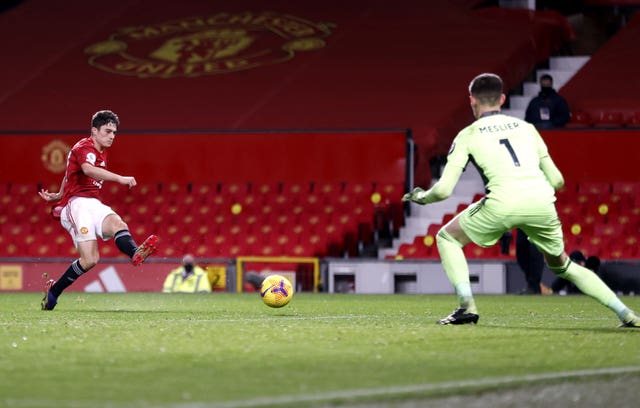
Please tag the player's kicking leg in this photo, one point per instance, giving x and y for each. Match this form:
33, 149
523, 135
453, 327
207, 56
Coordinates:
49, 301
147, 248
127, 245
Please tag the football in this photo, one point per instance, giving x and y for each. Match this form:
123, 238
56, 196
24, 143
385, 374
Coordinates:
276, 291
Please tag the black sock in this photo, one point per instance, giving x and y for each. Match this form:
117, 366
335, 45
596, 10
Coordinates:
70, 275
125, 243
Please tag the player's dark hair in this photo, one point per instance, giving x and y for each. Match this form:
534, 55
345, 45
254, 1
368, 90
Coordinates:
104, 117
486, 88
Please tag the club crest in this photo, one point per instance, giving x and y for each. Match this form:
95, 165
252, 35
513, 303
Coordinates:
54, 156
216, 44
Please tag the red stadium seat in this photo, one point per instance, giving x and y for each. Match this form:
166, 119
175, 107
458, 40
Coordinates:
266, 189
311, 203
417, 249
626, 187
328, 189
299, 250
447, 217
358, 189
608, 231
233, 189
407, 251
390, 192
311, 222
633, 120
595, 188
609, 119
295, 189
580, 119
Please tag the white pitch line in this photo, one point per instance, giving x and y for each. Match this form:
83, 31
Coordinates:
270, 318
409, 389
346, 394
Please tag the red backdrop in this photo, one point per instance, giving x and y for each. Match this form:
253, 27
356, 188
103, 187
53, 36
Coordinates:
336, 65
585, 155
595, 155
349, 156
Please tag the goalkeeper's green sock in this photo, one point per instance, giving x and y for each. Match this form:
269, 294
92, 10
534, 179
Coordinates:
457, 270
590, 284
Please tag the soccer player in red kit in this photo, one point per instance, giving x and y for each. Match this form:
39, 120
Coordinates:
81, 210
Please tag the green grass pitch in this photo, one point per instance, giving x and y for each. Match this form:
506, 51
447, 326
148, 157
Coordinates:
230, 350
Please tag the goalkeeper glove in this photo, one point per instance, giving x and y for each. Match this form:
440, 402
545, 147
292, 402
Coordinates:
418, 195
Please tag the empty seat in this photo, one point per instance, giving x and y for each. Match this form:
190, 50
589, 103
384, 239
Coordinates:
233, 189
266, 188
328, 188
358, 189
389, 192
595, 188
609, 119
408, 251
579, 119
633, 120
608, 231
295, 189
626, 187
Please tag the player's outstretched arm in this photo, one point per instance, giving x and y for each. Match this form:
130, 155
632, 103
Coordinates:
48, 196
104, 174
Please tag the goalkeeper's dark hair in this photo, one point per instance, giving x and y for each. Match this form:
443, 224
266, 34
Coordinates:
104, 117
486, 88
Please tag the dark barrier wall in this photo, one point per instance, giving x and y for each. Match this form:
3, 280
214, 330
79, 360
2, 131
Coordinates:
370, 156
595, 155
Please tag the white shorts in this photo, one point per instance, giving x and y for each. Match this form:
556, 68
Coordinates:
83, 217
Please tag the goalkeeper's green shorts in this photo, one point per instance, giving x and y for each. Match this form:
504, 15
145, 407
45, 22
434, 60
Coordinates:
485, 221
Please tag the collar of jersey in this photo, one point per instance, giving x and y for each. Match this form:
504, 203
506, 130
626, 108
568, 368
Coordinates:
489, 113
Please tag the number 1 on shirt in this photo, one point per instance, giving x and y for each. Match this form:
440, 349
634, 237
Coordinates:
506, 144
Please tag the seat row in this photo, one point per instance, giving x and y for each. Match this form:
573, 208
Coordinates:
598, 218
219, 220
604, 119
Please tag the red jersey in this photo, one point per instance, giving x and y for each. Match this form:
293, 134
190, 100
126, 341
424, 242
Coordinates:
79, 184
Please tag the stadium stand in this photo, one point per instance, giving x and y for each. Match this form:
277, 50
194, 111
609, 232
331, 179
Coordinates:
430, 52
312, 224
595, 216
604, 88
383, 65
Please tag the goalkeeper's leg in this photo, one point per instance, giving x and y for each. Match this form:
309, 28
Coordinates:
591, 284
456, 267
450, 240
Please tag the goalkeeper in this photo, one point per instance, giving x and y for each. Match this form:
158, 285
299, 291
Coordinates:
521, 180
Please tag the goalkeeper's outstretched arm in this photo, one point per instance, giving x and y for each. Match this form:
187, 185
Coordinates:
439, 191
552, 173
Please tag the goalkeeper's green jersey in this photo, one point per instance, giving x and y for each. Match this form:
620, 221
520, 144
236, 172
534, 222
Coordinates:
508, 153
